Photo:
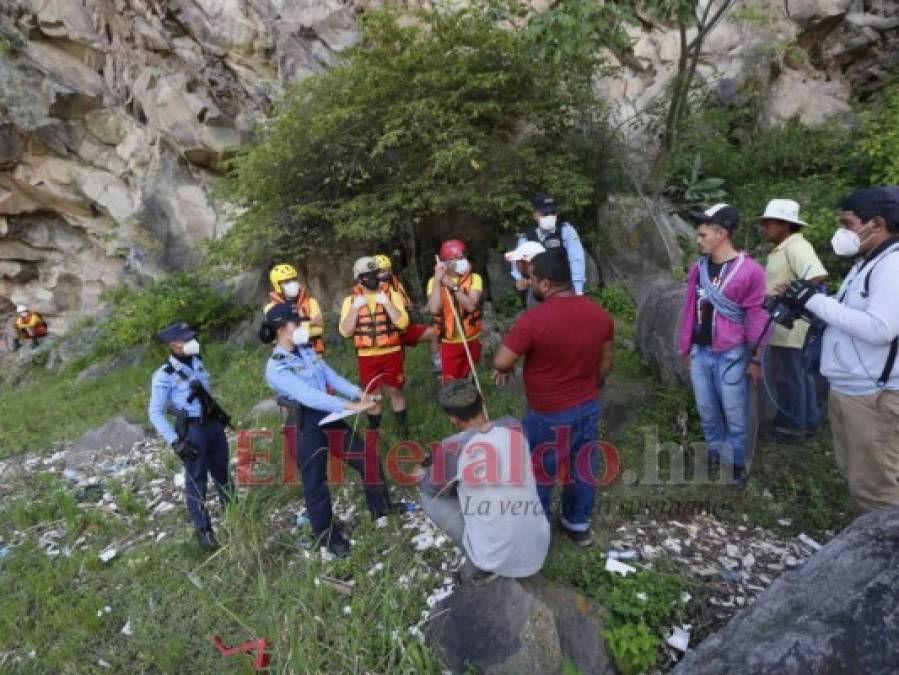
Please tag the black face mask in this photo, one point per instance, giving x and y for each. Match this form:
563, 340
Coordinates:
371, 283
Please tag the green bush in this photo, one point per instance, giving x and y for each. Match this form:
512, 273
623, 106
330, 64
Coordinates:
136, 315
437, 117
616, 300
880, 143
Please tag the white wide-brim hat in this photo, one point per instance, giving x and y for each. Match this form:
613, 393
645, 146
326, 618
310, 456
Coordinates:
783, 209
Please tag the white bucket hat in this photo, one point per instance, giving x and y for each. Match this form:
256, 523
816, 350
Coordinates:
782, 209
525, 251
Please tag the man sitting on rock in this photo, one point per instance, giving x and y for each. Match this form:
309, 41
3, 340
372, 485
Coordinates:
478, 487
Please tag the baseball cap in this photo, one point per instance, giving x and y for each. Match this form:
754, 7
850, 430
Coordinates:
722, 214
282, 313
543, 203
525, 251
867, 203
177, 332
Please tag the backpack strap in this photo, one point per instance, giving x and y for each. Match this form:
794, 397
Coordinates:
894, 345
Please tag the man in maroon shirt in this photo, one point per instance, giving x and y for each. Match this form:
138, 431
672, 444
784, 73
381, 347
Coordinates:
566, 342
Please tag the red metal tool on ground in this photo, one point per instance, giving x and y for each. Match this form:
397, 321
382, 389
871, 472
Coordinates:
258, 647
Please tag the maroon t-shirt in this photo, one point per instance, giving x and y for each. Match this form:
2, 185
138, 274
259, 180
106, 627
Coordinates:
561, 340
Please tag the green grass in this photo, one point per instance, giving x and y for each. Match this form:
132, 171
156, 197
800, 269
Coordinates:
262, 584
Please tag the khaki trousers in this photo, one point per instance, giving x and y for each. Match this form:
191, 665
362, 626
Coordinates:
866, 441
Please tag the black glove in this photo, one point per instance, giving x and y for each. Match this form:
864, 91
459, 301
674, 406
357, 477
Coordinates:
185, 451
799, 292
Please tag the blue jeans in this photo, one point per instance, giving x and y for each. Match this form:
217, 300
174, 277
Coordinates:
721, 388
794, 391
564, 448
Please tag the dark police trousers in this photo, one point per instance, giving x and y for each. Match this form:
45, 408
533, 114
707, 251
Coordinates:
312, 459
212, 459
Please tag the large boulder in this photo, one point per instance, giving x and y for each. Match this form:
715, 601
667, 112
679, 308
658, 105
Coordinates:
518, 626
658, 321
641, 240
838, 613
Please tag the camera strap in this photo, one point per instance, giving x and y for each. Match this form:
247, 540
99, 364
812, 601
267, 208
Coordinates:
894, 345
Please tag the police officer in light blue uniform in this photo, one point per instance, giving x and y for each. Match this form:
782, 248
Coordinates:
554, 236
199, 441
296, 372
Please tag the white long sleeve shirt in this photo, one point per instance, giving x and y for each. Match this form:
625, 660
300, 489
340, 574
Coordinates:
860, 328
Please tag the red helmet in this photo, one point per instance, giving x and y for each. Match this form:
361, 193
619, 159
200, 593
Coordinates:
452, 248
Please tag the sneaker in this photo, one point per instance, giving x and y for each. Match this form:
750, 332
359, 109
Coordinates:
584, 538
337, 545
207, 540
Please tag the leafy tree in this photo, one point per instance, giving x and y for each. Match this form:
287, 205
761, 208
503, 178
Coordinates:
880, 142
437, 117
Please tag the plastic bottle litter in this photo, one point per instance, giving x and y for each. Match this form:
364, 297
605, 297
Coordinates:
628, 554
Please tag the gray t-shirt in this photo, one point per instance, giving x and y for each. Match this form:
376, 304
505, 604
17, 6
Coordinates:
490, 473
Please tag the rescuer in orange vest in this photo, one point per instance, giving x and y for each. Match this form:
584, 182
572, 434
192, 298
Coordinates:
416, 332
454, 285
287, 288
375, 316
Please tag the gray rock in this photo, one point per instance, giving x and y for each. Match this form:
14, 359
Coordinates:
838, 613
125, 359
265, 408
116, 434
641, 240
518, 626
658, 321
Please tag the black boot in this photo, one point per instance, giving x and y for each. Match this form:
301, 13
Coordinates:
207, 540
374, 421
337, 545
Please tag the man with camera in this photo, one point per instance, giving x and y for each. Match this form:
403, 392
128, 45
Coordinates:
860, 345
792, 378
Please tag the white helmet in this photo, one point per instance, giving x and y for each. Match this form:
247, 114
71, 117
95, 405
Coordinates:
21, 309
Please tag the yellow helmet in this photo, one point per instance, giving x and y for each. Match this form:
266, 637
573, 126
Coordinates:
281, 273
383, 262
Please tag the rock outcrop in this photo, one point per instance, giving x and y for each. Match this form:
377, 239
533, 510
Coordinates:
518, 626
117, 115
838, 613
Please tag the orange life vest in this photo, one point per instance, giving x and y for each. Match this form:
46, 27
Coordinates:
374, 329
446, 323
315, 341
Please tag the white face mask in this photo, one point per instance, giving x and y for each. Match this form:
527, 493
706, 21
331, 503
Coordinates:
461, 266
191, 348
291, 288
547, 223
847, 243
300, 336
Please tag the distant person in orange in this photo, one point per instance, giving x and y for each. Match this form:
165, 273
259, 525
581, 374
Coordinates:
29, 326
455, 292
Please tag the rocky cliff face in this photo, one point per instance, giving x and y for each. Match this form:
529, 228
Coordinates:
117, 115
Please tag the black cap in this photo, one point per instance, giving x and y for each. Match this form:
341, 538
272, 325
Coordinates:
281, 314
866, 203
543, 203
723, 215
177, 332
552, 265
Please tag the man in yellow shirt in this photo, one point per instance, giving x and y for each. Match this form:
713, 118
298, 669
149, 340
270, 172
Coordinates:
455, 292
793, 382
286, 287
375, 317
29, 326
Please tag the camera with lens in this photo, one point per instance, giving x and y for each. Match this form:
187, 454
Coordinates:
781, 311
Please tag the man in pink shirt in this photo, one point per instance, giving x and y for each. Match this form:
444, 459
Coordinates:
722, 326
